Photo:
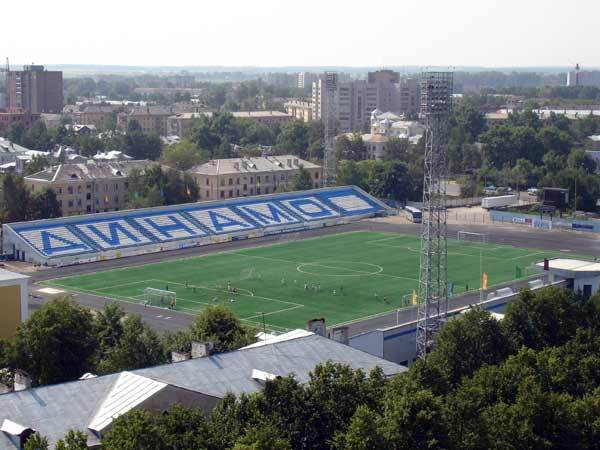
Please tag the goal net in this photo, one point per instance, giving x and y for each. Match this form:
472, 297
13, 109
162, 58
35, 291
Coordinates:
477, 238
160, 297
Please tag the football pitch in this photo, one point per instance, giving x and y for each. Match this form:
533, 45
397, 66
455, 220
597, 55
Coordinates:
342, 277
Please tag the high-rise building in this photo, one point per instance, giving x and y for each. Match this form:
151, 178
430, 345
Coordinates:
357, 99
35, 89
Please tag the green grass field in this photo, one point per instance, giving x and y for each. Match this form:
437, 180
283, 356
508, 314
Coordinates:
292, 282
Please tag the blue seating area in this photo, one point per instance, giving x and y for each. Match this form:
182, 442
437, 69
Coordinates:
97, 233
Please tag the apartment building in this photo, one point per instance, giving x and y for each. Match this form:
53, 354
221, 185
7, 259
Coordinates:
269, 118
356, 99
152, 119
35, 89
300, 110
242, 177
90, 187
97, 115
8, 116
181, 124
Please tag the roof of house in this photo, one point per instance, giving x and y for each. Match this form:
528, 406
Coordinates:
191, 115
90, 170
260, 114
252, 164
375, 138
7, 146
53, 410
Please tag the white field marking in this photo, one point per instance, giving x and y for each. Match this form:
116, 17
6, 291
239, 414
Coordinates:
365, 273
227, 292
224, 252
100, 295
121, 285
357, 273
50, 291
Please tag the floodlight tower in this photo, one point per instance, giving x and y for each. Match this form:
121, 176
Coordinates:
436, 106
329, 100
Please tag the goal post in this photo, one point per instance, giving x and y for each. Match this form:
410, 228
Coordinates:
469, 236
160, 297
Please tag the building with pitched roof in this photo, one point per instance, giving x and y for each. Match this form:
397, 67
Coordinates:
88, 187
241, 177
91, 405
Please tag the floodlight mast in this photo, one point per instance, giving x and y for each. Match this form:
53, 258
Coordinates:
330, 128
436, 107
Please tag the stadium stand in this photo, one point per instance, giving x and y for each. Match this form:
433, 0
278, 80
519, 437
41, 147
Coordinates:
78, 239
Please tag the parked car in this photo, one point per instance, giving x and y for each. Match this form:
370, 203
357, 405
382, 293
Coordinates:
533, 191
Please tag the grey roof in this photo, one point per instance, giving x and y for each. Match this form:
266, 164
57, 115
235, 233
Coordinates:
252, 164
53, 410
90, 171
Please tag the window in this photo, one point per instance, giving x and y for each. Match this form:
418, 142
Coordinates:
258, 179
245, 187
222, 194
116, 187
70, 189
78, 202
106, 188
251, 191
231, 182
222, 181
258, 191
237, 181
70, 203
116, 199
237, 192
282, 177
88, 196
266, 178
251, 180
207, 181
59, 191
316, 175
207, 194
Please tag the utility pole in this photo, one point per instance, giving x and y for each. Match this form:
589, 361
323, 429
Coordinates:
330, 125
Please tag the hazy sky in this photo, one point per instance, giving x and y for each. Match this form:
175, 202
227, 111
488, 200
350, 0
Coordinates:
305, 32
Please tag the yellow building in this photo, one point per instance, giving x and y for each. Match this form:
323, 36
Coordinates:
14, 295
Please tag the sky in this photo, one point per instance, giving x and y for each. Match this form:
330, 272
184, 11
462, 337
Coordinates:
271, 33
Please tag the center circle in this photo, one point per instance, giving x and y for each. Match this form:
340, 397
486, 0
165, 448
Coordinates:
339, 269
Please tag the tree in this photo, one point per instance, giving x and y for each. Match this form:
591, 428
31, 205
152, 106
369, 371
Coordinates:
218, 325
73, 440
17, 198
263, 436
138, 346
56, 343
140, 145
548, 317
302, 180
109, 326
37, 164
136, 430
350, 173
466, 343
44, 205
36, 442
364, 432
181, 156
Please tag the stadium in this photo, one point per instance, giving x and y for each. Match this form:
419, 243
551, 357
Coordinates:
344, 277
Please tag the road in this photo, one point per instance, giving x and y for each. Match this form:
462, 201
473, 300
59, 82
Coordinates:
161, 320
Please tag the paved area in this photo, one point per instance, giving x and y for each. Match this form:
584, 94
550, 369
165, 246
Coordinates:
161, 320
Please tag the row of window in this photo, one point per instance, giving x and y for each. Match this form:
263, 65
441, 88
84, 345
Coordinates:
71, 189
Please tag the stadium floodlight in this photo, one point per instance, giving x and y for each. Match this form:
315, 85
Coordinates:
160, 297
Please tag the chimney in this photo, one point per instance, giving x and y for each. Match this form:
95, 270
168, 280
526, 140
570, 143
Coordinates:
22, 380
341, 334
179, 356
201, 349
317, 326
